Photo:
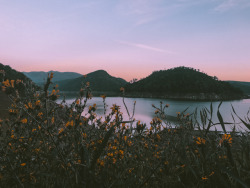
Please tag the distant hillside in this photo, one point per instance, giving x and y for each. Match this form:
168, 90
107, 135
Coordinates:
183, 82
40, 77
99, 81
244, 86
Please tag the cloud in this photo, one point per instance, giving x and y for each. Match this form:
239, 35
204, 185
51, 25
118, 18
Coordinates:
232, 4
143, 46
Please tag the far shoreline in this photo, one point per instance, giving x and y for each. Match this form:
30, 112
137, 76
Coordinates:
187, 97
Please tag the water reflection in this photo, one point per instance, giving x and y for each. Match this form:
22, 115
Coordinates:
145, 112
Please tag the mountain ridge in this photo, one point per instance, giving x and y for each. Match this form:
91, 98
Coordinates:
39, 77
244, 86
99, 80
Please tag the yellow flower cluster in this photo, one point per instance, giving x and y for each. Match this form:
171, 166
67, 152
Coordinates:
29, 106
200, 141
71, 123
226, 138
24, 120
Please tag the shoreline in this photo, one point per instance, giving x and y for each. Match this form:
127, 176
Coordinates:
186, 97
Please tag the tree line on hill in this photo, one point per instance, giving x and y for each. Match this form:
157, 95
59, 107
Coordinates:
182, 80
175, 81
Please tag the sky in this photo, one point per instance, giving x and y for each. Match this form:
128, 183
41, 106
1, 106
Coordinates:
127, 38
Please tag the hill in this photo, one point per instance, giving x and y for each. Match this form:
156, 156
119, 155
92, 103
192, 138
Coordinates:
12, 74
40, 77
183, 83
99, 81
9, 74
244, 86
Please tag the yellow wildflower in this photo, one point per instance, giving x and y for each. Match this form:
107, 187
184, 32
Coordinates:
67, 124
12, 83
51, 75
102, 163
212, 173
125, 138
121, 152
40, 115
24, 120
103, 96
78, 101
84, 135
23, 164
60, 131
130, 170
129, 143
38, 102
37, 150
204, 178
53, 120
26, 106
227, 139
53, 92
200, 141
6, 83
158, 136
30, 105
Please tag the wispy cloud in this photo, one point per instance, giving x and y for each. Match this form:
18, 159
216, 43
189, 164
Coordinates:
232, 4
147, 47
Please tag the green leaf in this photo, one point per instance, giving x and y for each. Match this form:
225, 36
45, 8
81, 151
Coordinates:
245, 123
221, 119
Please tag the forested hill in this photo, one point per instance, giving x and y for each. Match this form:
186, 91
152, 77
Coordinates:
40, 77
182, 82
12, 74
99, 81
7, 73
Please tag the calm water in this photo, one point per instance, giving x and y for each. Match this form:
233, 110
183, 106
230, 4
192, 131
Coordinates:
145, 112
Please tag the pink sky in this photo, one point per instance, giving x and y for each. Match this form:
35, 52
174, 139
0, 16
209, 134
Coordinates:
127, 38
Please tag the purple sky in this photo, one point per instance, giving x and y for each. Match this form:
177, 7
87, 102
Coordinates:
127, 38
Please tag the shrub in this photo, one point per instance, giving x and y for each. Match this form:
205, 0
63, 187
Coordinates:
45, 144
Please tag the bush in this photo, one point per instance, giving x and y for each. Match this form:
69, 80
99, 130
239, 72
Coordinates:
45, 144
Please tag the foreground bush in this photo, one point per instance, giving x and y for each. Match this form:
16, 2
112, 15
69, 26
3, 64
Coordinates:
45, 144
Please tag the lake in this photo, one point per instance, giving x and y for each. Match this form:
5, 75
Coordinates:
145, 112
